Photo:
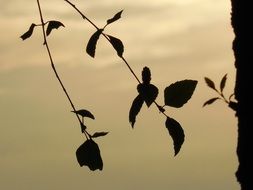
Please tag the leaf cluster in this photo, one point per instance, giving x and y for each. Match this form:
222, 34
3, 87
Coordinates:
220, 92
88, 154
175, 95
115, 42
52, 24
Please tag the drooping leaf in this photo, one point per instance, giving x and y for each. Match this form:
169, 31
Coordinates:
210, 83
117, 45
223, 82
84, 113
176, 132
148, 92
53, 24
92, 43
116, 17
99, 134
29, 33
135, 109
210, 101
146, 75
178, 93
88, 154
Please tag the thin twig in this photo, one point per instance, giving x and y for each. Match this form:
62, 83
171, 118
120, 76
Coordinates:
53, 66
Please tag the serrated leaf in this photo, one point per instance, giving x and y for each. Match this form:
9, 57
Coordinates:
92, 43
116, 17
84, 113
178, 93
29, 33
148, 93
53, 24
88, 154
146, 75
210, 83
223, 82
135, 109
176, 132
117, 45
99, 134
210, 101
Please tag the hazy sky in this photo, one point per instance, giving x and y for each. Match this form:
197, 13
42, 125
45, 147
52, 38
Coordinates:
176, 39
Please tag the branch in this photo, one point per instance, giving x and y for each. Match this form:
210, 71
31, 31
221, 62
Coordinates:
54, 69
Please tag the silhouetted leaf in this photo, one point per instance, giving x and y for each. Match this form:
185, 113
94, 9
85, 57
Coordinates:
148, 92
91, 46
84, 113
212, 100
53, 24
135, 109
146, 75
176, 132
223, 82
99, 134
29, 32
161, 109
233, 105
83, 127
88, 154
177, 94
115, 17
210, 83
117, 45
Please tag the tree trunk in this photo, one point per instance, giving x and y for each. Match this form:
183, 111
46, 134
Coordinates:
242, 47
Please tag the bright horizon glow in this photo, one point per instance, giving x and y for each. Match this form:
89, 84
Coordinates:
175, 39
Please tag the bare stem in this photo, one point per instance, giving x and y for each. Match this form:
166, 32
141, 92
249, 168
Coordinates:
53, 66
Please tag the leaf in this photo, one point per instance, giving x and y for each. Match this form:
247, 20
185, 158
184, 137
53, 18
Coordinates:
210, 83
88, 154
233, 105
223, 82
53, 24
84, 113
117, 16
99, 134
146, 75
148, 92
91, 46
117, 45
135, 109
29, 33
83, 127
212, 100
177, 94
176, 132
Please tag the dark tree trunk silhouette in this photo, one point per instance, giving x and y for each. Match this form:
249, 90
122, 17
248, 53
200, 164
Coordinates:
242, 46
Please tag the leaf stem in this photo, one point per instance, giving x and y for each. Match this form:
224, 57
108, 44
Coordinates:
53, 66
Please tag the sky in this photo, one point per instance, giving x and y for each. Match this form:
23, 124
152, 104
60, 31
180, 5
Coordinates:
176, 39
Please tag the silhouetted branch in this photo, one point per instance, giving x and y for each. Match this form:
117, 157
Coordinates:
54, 69
122, 58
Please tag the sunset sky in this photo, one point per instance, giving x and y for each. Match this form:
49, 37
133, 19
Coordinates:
176, 39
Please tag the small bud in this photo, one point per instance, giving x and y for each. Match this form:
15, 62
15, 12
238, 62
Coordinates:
146, 75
